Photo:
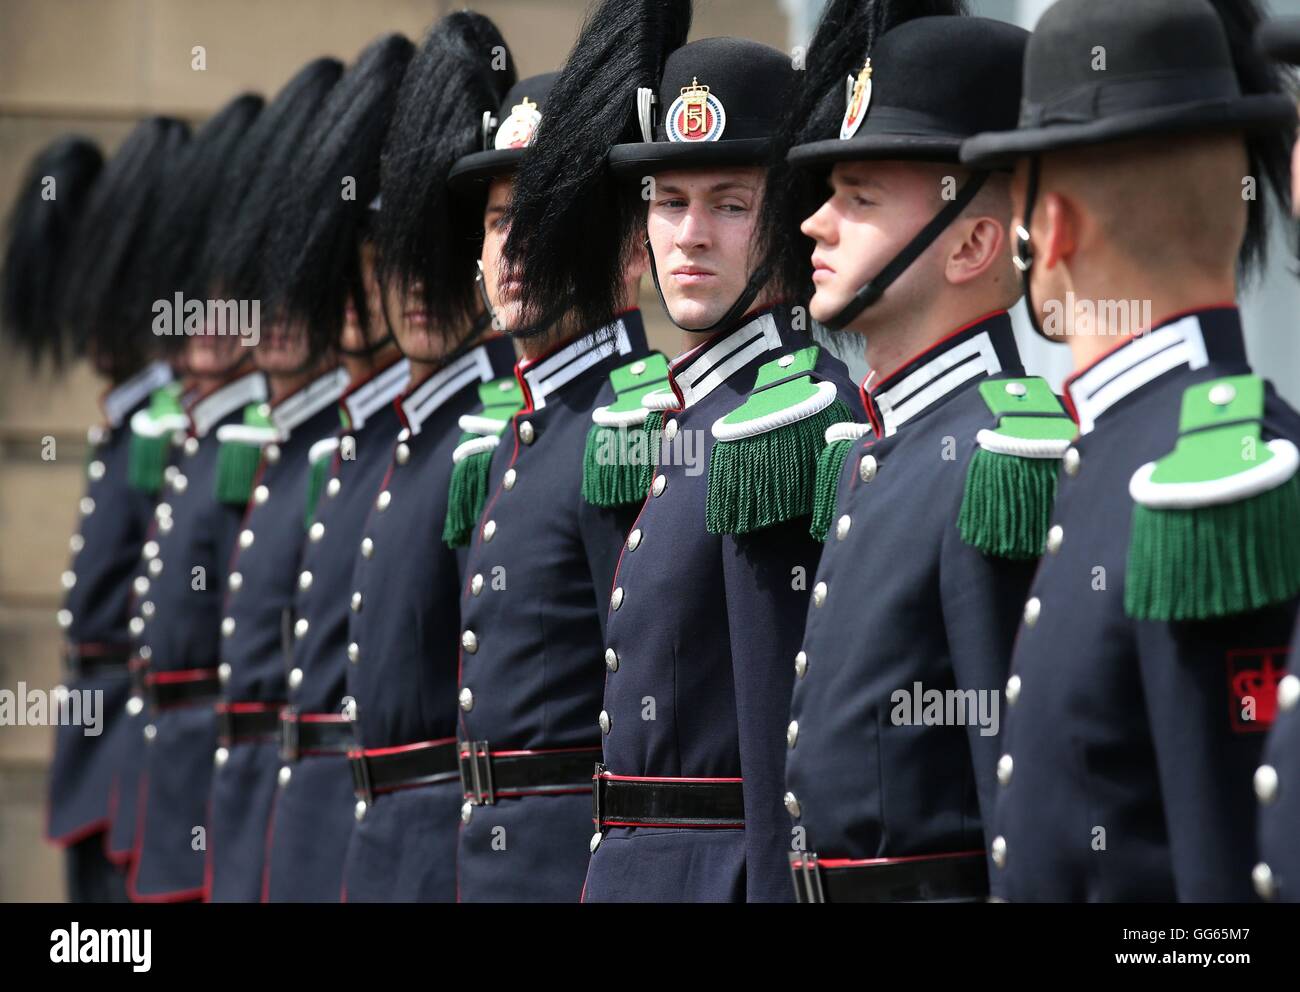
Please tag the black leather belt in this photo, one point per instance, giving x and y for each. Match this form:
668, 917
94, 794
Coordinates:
248, 723
940, 877
195, 685
87, 660
314, 733
625, 801
385, 769
486, 774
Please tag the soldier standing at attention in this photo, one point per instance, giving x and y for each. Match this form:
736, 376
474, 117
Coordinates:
326, 254
541, 557
887, 791
710, 591
404, 619
1146, 666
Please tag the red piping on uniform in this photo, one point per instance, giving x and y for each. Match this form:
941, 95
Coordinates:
266, 850
553, 750
673, 826
929, 348
181, 675
246, 707
876, 862
375, 752
77, 835
660, 778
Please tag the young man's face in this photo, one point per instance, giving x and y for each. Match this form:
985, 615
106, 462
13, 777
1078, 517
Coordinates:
503, 288
874, 210
209, 355
354, 338
701, 226
283, 350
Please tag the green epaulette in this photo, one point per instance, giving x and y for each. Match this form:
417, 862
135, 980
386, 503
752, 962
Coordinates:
840, 439
764, 462
471, 461
241, 452
622, 445
320, 458
1216, 522
1011, 485
151, 433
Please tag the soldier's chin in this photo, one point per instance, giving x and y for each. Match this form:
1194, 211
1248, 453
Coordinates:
826, 303
695, 313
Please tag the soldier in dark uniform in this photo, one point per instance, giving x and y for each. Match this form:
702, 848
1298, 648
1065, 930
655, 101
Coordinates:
1277, 780
331, 288
404, 617
202, 512
541, 563
893, 731
265, 465
710, 591
1144, 672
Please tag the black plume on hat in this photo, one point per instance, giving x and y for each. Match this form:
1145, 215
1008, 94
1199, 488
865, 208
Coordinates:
573, 226
102, 304
315, 253
38, 237
845, 37
426, 235
253, 197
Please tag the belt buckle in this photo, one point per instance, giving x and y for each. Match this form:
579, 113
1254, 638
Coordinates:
361, 786
805, 872
476, 780
290, 748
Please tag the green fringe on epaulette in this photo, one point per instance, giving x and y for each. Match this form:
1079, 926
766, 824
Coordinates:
1007, 506
618, 463
1214, 561
146, 461
767, 479
320, 470
236, 469
826, 486
466, 496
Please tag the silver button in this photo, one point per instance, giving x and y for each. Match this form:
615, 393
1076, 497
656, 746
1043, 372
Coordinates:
595, 841
466, 812
489, 530
150, 549
228, 627
191, 446
842, 527
134, 706
165, 525
508, 480
604, 721
349, 709
999, 851
317, 531
264, 410
136, 625
611, 659
64, 618
180, 483
801, 664
304, 579
1223, 394
236, 581
403, 454
354, 652
634, 540
1005, 764
1016, 389
638, 368
469, 641
332, 487
359, 810
1013, 690
356, 601
69, 579
1071, 461
295, 678
272, 453
476, 583
617, 599
76, 543
819, 593
87, 506
261, 494
300, 627
1288, 693
381, 503
660, 483
792, 805
150, 732
223, 672
285, 774
245, 538
670, 429
95, 470
867, 468
170, 472
1262, 878
1054, 538
785, 361
526, 432
1266, 784
221, 756
162, 510
792, 733
145, 652
155, 567
140, 585
147, 609
404, 435
1033, 609
367, 547
466, 699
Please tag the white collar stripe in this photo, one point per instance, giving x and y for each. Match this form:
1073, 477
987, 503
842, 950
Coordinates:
122, 399
215, 407
922, 388
704, 373
308, 401
444, 384
380, 391
574, 359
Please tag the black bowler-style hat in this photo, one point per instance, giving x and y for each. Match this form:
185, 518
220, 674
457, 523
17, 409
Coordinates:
505, 134
1279, 38
719, 103
928, 86
1168, 70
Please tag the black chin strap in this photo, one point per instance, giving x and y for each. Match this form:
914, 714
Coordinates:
874, 290
530, 331
737, 310
369, 349
1024, 256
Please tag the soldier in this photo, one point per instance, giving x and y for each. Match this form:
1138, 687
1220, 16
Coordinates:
541, 560
1277, 780
1144, 670
403, 622
265, 466
887, 790
331, 288
202, 514
710, 590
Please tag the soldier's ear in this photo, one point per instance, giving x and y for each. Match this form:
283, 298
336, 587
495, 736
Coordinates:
981, 249
1057, 229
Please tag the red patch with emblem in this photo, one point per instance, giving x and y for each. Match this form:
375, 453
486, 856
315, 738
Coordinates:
1253, 676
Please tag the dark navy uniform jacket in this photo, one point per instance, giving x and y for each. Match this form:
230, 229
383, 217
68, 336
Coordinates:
254, 635
312, 815
105, 552
1127, 772
180, 622
900, 599
703, 629
541, 566
1277, 787
405, 624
